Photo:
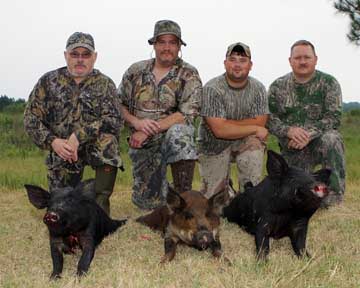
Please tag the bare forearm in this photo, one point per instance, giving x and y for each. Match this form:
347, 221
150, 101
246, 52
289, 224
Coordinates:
259, 121
175, 118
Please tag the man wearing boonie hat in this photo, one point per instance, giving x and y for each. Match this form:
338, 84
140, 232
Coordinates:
234, 111
74, 113
160, 99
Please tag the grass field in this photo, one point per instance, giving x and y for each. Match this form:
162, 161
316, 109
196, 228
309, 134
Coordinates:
130, 257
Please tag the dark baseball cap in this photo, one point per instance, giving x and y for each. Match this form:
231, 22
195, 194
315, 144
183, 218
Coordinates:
238, 47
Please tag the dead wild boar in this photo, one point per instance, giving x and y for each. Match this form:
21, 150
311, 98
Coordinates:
281, 205
188, 218
74, 220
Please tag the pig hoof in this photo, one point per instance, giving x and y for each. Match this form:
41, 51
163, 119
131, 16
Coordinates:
164, 260
217, 253
81, 273
55, 276
227, 261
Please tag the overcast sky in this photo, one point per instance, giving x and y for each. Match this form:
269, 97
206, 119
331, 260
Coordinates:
34, 34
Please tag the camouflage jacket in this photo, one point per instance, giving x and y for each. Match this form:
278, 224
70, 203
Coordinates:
314, 106
222, 101
57, 107
179, 91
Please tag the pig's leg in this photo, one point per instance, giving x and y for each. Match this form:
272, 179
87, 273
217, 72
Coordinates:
298, 237
170, 249
88, 251
262, 243
56, 256
215, 247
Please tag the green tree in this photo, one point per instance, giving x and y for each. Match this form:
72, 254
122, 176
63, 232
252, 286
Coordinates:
352, 9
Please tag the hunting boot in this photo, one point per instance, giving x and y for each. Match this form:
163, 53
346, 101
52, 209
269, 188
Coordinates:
183, 173
104, 184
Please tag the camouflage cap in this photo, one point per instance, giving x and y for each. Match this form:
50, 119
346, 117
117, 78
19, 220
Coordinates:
80, 39
239, 47
163, 27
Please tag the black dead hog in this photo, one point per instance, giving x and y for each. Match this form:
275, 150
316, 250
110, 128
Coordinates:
281, 205
74, 219
188, 218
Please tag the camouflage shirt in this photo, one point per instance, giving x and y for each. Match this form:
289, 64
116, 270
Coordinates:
314, 105
222, 101
57, 107
179, 91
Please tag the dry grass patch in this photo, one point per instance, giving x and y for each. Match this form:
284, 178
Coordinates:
130, 257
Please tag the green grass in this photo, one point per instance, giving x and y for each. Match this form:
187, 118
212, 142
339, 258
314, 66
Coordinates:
130, 257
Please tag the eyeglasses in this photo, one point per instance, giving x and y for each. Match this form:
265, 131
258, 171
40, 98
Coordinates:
77, 55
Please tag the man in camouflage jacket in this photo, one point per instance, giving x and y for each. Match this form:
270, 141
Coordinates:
160, 98
305, 108
75, 114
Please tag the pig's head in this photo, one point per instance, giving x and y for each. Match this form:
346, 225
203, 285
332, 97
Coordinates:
63, 205
194, 219
302, 189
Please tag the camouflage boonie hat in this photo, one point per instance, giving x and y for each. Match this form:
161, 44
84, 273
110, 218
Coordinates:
163, 27
80, 39
239, 47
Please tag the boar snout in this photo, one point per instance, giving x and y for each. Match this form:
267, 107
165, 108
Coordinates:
51, 218
203, 239
320, 190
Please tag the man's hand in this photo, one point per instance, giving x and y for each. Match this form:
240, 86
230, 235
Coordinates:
137, 139
262, 133
73, 142
148, 126
63, 149
299, 138
294, 145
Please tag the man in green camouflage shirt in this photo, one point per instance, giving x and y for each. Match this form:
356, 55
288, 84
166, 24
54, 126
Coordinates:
234, 111
306, 113
160, 98
74, 113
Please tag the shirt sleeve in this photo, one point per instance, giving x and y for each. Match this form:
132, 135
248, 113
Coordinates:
211, 104
124, 90
332, 111
35, 117
275, 125
191, 97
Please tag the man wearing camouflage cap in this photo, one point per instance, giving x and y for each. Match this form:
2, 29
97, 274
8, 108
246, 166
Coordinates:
305, 108
74, 113
234, 111
160, 98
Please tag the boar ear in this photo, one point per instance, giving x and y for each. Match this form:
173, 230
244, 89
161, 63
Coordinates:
37, 196
323, 175
174, 201
219, 200
276, 165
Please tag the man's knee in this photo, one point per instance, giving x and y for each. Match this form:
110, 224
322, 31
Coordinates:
332, 139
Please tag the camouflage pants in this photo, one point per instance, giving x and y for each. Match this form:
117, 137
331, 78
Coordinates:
247, 153
150, 163
327, 151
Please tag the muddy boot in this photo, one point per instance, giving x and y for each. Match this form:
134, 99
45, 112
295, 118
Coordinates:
183, 173
104, 185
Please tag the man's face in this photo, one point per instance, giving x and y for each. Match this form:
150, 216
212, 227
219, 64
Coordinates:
237, 67
80, 62
303, 61
166, 48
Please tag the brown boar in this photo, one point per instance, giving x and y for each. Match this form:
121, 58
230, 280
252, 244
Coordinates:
189, 218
